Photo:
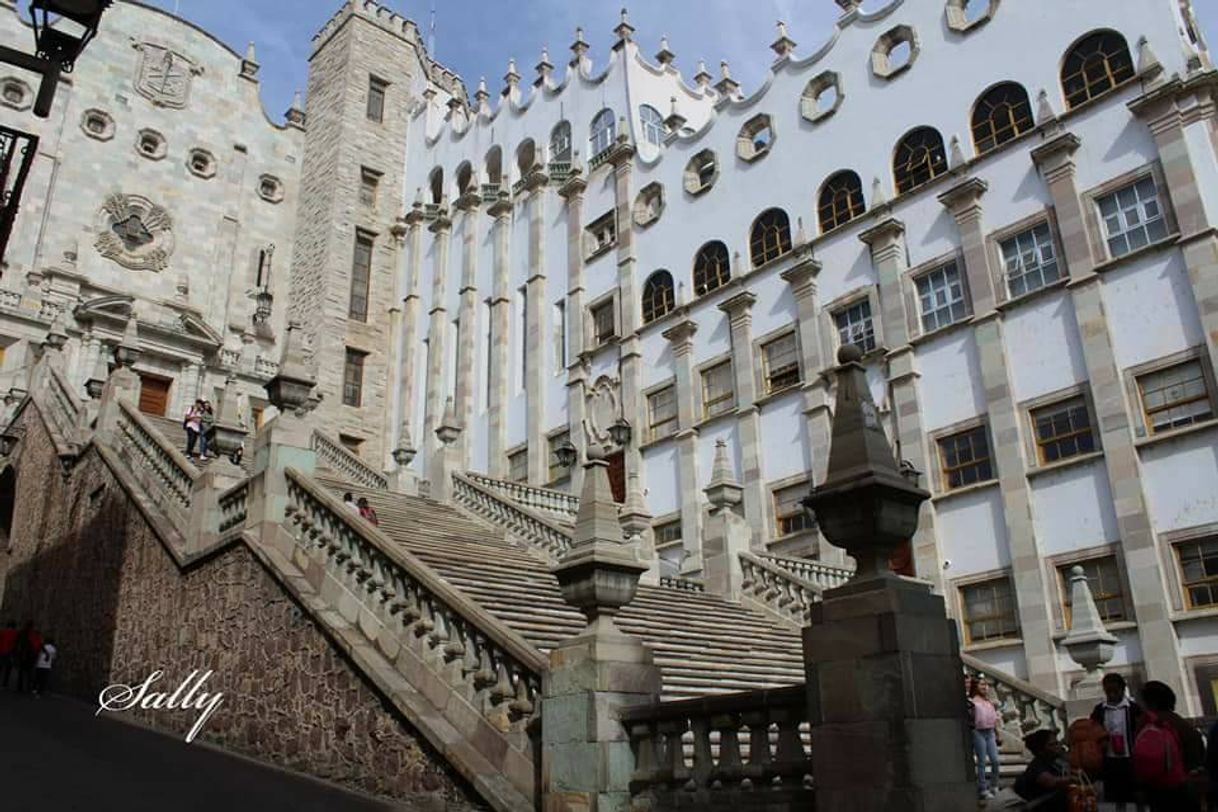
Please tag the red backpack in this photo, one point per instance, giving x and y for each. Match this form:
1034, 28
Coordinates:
1157, 759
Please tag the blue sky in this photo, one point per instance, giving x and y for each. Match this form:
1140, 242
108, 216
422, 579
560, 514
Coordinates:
476, 37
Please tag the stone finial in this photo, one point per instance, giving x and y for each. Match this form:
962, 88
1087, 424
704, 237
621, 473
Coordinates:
579, 48
634, 516
878, 198
1147, 60
723, 491
848, 5
98, 377
449, 429
544, 67
1193, 63
404, 453
623, 130
512, 78
57, 336
955, 156
481, 95
675, 120
727, 86
801, 236
784, 44
296, 114
249, 65
230, 429
1044, 108
624, 29
702, 77
289, 390
128, 351
1088, 642
665, 56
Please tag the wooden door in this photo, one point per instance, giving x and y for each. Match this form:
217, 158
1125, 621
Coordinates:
617, 475
154, 395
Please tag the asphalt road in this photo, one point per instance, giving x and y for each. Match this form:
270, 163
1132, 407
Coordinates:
55, 756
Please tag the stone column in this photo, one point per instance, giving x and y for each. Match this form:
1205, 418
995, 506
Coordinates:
437, 332
681, 336
501, 319
801, 276
630, 364
748, 418
887, 244
448, 458
410, 318
1033, 600
468, 319
586, 761
573, 192
884, 676
537, 337
1147, 588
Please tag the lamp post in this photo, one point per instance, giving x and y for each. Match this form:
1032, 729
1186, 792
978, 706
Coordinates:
62, 29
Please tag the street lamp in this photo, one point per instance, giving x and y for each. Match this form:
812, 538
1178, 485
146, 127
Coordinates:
566, 453
620, 432
62, 28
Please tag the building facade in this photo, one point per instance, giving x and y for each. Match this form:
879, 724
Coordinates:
1022, 240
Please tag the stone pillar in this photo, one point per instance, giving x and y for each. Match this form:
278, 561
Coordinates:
123, 384
636, 525
577, 373
748, 418
448, 458
586, 757
887, 244
1032, 592
681, 336
410, 316
630, 354
801, 276
1089, 644
468, 319
1147, 587
537, 337
727, 533
501, 319
437, 333
884, 676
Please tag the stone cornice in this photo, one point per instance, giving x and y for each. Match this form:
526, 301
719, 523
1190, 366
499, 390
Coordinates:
573, 188
738, 305
964, 197
1056, 151
883, 233
681, 333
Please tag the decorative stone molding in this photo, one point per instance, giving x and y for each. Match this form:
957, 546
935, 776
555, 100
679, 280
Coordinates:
135, 232
815, 105
201, 163
958, 16
151, 144
15, 93
604, 407
882, 63
270, 189
649, 204
164, 76
755, 138
97, 124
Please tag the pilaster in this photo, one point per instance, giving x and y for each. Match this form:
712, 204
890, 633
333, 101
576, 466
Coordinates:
629, 305
437, 333
538, 318
501, 312
748, 429
411, 305
573, 192
467, 334
681, 337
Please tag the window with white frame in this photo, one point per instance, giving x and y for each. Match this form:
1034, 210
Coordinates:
718, 394
941, 296
1198, 563
1107, 588
604, 129
988, 611
518, 465
602, 233
780, 363
854, 325
604, 322
653, 125
662, 413
1175, 396
1133, 217
560, 142
790, 515
1029, 260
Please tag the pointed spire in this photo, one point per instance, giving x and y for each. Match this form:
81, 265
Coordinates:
98, 377
1044, 109
727, 86
579, 48
481, 95
702, 77
955, 158
57, 336
544, 67
296, 113
801, 236
723, 491
877, 192
675, 120
665, 56
511, 78
784, 44
624, 29
449, 429
1192, 58
249, 65
128, 351
290, 389
1088, 643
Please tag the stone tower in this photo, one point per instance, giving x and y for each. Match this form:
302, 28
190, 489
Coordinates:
367, 70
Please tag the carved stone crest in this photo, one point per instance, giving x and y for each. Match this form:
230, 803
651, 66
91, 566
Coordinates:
135, 232
604, 407
164, 76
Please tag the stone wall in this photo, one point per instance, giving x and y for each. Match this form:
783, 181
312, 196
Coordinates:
89, 570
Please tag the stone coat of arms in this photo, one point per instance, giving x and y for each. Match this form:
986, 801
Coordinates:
164, 75
135, 232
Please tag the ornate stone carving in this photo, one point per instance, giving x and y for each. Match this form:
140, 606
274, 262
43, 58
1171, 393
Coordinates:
135, 232
164, 76
604, 407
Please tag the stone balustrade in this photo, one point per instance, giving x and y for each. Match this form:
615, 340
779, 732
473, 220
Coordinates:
822, 576
599, 158
331, 453
559, 504
10, 299
233, 506
527, 525
735, 751
265, 367
490, 192
779, 590
682, 584
399, 604
165, 473
63, 407
1022, 707
559, 171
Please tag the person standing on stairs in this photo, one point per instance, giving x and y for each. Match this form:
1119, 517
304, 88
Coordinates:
985, 736
367, 512
193, 425
349, 503
1121, 717
207, 428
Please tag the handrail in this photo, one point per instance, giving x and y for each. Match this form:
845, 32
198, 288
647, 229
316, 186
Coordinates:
62, 407
1020, 704
160, 458
523, 523
233, 504
816, 573
547, 499
777, 589
338, 457
682, 584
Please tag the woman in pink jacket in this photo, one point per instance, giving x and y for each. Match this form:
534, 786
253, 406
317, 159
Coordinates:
985, 737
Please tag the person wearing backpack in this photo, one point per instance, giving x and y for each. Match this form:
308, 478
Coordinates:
1121, 717
1165, 752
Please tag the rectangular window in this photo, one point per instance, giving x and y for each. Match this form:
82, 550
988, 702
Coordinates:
1104, 578
560, 336
1132, 217
353, 377
1030, 260
965, 458
989, 611
604, 323
1198, 562
361, 277
780, 360
376, 99
369, 182
790, 516
556, 469
1063, 430
1175, 396
518, 465
668, 533
662, 413
602, 233
941, 294
854, 325
718, 394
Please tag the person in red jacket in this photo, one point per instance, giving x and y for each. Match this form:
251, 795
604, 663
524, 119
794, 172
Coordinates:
25, 653
8, 643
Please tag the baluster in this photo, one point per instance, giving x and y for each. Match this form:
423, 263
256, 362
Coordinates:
643, 741
703, 762
790, 760
729, 770
758, 764
522, 706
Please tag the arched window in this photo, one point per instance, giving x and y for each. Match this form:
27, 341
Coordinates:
658, 296
494, 166
1003, 112
435, 182
604, 130
918, 159
840, 200
465, 178
712, 268
1096, 64
560, 142
770, 237
653, 125
526, 156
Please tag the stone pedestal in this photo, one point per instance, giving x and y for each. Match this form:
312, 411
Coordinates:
885, 699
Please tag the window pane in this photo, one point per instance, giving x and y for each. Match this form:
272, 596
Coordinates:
989, 611
1062, 430
965, 458
1174, 397
1199, 571
1132, 217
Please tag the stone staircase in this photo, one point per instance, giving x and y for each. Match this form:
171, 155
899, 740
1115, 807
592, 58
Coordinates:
173, 431
703, 644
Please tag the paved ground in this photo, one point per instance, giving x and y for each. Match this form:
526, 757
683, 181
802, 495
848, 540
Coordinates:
55, 756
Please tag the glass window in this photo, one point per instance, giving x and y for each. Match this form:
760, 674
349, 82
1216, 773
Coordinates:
376, 98
989, 611
919, 158
965, 458
668, 533
1132, 217
941, 294
604, 129
1030, 260
1104, 578
653, 125
841, 200
712, 268
361, 277
790, 516
658, 297
1001, 115
771, 236
1174, 397
1199, 571
518, 465
603, 232
353, 377
718, 394
780, 358
1096, 65
1063, 430
854, 325
662, 413
604, 325
560, 142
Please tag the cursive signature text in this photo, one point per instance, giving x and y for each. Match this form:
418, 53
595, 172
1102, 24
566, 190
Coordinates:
189, 695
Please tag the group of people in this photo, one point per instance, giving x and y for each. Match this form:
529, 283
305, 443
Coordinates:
27, 654
1140, 754
200, 425
360, 507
